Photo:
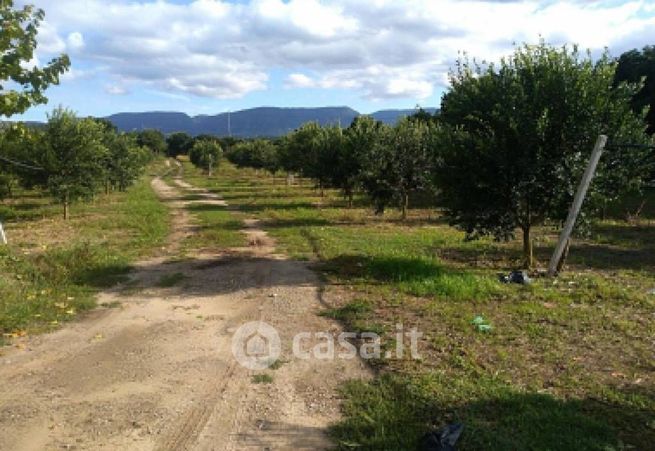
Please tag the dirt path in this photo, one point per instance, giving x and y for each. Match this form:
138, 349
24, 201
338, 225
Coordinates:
154, 369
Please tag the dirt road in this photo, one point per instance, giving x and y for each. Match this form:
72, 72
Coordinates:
154, 369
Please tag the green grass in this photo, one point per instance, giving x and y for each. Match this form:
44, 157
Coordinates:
568, 363
394, 412
53, 269
263, 378
217, 228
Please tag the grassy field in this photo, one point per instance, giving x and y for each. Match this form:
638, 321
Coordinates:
568, 364
52, 268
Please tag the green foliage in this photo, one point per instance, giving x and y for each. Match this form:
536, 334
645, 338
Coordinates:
73, 156
518, 137
20, 146
206, 154
6, 186
18, 33
634, 67
361, 141
125, 160
401, 164
153, 140
257, 154
179, 144
305, 151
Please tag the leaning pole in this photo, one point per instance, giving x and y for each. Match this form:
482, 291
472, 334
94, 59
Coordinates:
577, 204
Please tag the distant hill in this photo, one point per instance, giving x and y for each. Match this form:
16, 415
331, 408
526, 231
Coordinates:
390, 117
254, 122
263, 121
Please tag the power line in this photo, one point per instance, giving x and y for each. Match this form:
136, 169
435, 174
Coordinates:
20, 164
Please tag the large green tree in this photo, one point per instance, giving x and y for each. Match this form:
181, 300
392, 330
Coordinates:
519, 134
355, 154
308, 150
22, 84
73, 154
401, 164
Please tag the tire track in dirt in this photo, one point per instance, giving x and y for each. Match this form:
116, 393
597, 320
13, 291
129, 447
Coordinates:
157, 372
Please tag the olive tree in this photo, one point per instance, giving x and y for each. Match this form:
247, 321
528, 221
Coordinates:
517, 137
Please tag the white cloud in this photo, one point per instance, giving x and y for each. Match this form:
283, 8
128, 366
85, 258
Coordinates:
75, 41
116, 90
299, 81
376, 48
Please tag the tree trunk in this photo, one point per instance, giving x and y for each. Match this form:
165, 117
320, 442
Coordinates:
528, 254
350, 200
405, 206
66, 207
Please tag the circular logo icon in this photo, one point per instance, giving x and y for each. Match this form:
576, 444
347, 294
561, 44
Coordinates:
256, 345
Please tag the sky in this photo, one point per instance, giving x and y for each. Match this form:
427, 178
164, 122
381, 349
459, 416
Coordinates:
212, 56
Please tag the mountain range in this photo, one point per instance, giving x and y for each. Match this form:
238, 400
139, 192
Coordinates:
254, 122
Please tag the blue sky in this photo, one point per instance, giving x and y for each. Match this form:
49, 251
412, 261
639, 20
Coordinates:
210, 56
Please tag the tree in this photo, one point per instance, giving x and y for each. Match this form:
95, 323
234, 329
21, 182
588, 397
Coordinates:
18, 32
206, 154
635, 66
179, 143
309, 151
401, 164
257, 154
153, 140
73, 156
125, 160
517, 137
20, 146
361, 140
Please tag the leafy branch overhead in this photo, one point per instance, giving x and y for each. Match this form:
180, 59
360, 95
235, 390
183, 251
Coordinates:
21, 82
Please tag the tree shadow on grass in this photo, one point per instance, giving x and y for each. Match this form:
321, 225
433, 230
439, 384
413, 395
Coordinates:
599, 256
393, 412
581, 254
384, 269
297, 222
415, 276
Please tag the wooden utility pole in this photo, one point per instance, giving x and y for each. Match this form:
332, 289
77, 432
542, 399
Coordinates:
565, 236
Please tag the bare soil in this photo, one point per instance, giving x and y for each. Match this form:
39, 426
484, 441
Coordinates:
153, 369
